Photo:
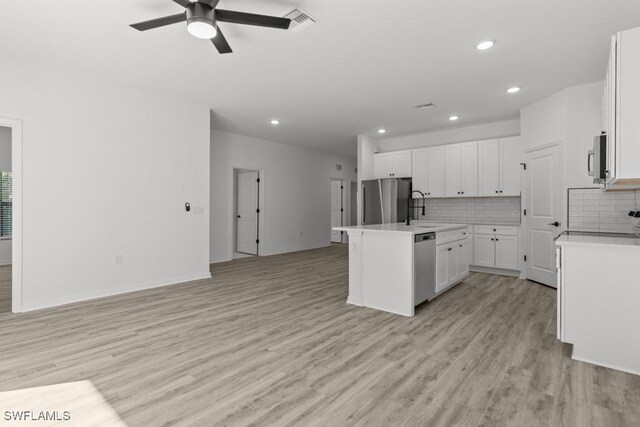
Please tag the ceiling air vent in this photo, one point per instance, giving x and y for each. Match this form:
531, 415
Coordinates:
299, 20
426, 106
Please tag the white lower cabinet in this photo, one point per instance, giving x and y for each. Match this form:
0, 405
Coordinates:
442, 262
452, 263
484, 250
507, 252
496, 250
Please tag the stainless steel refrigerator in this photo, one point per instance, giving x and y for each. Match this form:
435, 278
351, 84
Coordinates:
385, 201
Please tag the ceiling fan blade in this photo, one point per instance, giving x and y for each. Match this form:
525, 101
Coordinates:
160, 22
220, 42
183, 3
212, 3
234, 17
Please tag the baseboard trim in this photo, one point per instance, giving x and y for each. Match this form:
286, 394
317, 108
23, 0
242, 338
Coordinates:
75, 298
604, 365
3, 263
498, 271
354, 301
220, 260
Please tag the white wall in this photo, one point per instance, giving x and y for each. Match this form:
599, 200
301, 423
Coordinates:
107, 171
296, 190
571, 117
450, 136
5, 165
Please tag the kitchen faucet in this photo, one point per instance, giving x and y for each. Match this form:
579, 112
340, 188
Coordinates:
410, 206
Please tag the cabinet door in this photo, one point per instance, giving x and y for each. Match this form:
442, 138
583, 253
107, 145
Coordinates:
402, 164
463, 257
452, 262
489, 167
510, 168
435, 171
383, 165
469, 169
419, 171
484, 254
452, 170
506, 252
442, 258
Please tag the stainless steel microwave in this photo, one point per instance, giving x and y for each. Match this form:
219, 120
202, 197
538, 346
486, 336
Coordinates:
599, 170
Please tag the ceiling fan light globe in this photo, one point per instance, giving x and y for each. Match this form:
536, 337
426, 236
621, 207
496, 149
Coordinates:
201, 28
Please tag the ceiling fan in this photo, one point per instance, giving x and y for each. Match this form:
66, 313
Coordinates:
202, 21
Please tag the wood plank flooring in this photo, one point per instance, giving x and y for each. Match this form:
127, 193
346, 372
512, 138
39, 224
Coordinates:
270, 341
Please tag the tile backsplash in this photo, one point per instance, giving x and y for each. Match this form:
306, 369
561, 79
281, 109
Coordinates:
474, 210
596, 210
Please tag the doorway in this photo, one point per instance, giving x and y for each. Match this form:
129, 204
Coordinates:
10, 215
543, 204
247, 212
337, 210
6, 196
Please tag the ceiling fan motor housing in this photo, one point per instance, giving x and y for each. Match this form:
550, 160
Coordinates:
201, 12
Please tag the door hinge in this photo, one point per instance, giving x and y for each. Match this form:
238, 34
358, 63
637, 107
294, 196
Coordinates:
525, 212
341, 210
258, 180
257, 241
257, 210
524, 165
525, 258
341, 187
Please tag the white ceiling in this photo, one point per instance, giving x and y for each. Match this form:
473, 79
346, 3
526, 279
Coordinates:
363, 66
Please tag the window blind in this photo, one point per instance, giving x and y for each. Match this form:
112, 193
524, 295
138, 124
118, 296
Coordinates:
6, 192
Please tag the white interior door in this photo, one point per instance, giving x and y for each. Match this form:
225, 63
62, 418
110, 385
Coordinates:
336, 210
543, 202
247, 232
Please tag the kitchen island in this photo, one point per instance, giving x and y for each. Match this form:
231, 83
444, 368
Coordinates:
383, 262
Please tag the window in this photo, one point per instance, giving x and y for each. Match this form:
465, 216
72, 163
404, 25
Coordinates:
6, 195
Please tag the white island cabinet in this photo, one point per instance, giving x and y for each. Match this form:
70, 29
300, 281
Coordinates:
381, 263
598, 298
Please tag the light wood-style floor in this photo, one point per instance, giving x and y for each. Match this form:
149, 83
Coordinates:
270, 341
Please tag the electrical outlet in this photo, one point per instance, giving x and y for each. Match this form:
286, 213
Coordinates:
118, 259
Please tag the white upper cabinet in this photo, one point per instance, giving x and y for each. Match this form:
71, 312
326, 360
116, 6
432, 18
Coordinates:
419, 171
402, 164
395, 164
435, 171
452, 156
499, 167
469, 166
489, 167
461, 170
510, 167
622, 109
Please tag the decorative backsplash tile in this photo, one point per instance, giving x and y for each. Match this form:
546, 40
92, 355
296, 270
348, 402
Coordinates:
473, 210
604, 211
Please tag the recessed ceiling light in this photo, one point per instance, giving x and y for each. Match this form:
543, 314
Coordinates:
382, 131
275, 122
487, 44
454, 118
514, 89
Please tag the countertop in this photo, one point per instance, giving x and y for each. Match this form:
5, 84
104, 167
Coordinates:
416, 228
565, 240
502, 224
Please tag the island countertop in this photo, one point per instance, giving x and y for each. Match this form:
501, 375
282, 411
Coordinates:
414, 228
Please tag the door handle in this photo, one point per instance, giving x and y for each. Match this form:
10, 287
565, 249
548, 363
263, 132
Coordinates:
555, 224
589, 156
238, 216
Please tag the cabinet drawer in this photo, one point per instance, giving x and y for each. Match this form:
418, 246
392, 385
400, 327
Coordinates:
496, 229
451, 236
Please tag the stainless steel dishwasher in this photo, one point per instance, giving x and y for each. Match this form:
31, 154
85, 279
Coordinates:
424, 265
